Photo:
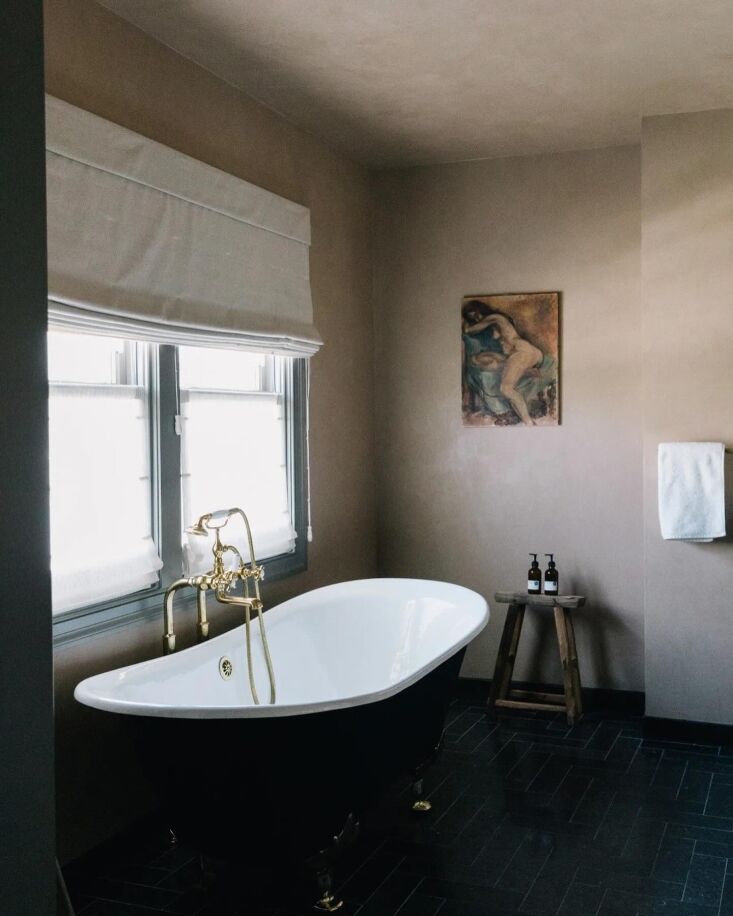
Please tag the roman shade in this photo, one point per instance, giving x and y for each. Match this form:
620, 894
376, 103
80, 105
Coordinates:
145, 241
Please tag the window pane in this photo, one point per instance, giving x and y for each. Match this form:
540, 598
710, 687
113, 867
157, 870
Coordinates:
101, 537
233, 454
222, 370
84, 357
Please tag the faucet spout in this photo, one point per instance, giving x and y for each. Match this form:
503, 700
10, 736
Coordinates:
169, 637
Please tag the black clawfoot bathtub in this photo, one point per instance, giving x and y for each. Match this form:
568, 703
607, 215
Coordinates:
364, 671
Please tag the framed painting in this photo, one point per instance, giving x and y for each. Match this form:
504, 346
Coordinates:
511, 350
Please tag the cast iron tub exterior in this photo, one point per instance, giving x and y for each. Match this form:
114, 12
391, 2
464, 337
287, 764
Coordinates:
364, 671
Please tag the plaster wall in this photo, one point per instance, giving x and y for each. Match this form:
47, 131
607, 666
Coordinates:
687, 243
467, 504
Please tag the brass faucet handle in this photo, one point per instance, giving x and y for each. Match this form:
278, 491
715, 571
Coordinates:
252, 572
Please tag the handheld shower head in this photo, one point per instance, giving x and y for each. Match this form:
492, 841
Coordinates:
200, 528
211, 521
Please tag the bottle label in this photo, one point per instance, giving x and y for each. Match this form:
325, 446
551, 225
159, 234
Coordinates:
533, 585
550, 586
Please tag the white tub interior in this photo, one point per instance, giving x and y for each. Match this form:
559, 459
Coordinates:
338, 646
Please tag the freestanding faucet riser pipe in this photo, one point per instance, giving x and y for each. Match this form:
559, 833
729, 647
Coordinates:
222, 582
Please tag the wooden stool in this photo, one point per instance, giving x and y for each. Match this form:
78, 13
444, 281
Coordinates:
501, 694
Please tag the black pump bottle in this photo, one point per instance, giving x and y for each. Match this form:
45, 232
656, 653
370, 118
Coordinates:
534, 577
552, 577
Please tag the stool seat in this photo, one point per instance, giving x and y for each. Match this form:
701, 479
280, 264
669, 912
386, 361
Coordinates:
502, 695
569, 601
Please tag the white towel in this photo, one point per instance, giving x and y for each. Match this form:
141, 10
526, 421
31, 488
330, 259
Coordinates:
691, 490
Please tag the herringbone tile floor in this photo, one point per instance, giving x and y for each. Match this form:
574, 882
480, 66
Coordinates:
529, 817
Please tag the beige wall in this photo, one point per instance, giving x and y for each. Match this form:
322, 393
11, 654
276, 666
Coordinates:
100, 63
687, 258
468, 504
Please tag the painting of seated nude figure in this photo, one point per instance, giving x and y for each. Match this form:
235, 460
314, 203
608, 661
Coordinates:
510, 359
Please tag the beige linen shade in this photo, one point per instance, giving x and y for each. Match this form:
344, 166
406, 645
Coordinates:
145, 241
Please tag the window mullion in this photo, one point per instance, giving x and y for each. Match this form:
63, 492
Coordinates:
169, 522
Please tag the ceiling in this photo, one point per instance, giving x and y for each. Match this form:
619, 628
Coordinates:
401, 82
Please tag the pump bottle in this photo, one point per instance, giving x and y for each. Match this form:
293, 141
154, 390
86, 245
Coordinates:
552, 577
534, 577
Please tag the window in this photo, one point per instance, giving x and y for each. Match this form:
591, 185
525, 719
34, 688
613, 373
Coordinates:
144, 439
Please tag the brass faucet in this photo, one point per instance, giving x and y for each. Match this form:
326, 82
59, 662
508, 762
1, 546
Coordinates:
222, 581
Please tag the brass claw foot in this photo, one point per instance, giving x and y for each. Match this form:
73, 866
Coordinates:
421, 805
328, 903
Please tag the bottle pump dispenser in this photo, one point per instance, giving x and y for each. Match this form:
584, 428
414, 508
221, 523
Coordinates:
552, 577
534, 577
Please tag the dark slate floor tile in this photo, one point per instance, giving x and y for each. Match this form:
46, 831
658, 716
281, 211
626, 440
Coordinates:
594, 804
604, 737
133, 894
530, 816
710, 750
492, 899
525, 724
720, 799
549, 777
581, 900
496, 855
569, 795
708, 763
138, 874
462, 724
710, 834
509, 754
693, 790
621, 903
458, 816
114, 908
668, 779
546, 895
525, 865
474, 908
583, 730
633, 884
390, 895
184, 878
726, 903
174, 857
418, 904
673, 859
643, 766
645, 840
526, 769
673, 812
622, 753
551, 739
475, 736
367, 879
705, 881
722, 849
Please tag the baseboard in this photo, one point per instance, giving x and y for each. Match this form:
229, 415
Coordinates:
595, 699
688, 731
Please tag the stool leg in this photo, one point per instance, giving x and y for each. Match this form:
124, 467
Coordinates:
574, 666
563, 645
507, 654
